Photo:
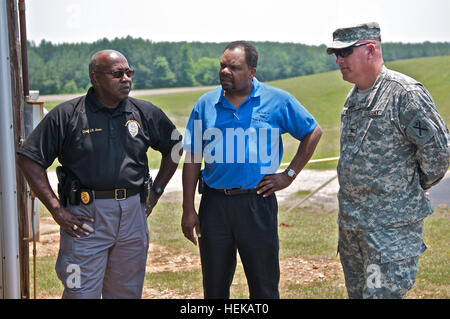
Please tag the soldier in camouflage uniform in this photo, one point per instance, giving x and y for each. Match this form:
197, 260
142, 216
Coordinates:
394, 146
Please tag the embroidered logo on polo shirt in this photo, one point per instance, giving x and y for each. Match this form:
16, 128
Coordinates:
133, 127
261, 117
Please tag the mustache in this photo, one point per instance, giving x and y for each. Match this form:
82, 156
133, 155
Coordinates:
224, 77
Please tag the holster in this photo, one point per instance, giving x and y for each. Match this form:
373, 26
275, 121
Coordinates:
68, 187
201, 183
61, 180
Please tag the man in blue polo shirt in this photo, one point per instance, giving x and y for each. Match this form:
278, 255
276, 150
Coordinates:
236, 129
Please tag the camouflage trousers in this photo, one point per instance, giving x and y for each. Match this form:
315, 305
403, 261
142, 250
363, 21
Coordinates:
381, 263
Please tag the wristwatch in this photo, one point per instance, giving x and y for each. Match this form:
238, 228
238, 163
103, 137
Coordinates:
290, 172
158, 190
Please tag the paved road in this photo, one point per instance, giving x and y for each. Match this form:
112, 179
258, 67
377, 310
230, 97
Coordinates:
440, 194
133, 93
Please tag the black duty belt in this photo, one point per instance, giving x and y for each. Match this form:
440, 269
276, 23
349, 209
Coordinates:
117, 194
233, 191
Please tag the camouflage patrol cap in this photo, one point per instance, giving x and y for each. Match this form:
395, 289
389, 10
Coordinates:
346, 37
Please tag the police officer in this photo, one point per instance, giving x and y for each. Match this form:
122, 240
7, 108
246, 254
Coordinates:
234, 128
394, 146
101, 140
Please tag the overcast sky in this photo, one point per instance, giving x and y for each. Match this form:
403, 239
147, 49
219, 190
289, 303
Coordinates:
308, 22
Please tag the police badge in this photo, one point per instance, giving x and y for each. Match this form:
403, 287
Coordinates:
133, 127
85, 197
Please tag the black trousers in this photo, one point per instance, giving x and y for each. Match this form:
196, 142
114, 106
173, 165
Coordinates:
246, 223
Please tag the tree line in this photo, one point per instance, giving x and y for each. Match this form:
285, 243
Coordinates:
63, 68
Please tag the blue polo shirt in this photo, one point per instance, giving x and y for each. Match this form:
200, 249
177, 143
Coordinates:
240, 146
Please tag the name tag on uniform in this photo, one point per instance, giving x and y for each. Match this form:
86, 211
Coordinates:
375, 113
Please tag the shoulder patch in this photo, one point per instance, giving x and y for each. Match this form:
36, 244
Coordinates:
133, 127
420, 129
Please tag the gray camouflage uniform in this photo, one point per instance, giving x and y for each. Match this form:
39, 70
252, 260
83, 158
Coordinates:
394, 145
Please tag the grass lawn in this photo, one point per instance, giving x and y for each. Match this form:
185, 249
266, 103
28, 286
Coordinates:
306, 235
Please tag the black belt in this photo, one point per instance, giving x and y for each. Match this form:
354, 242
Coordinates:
117, 194
233, 191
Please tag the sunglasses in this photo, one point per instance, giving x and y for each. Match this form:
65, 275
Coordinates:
119, 73
343, 53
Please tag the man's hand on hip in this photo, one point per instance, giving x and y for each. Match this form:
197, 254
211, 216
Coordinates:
272, 183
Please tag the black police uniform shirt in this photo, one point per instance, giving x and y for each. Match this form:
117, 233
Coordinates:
104, 148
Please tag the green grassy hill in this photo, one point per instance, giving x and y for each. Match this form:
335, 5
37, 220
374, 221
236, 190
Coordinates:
323, 95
